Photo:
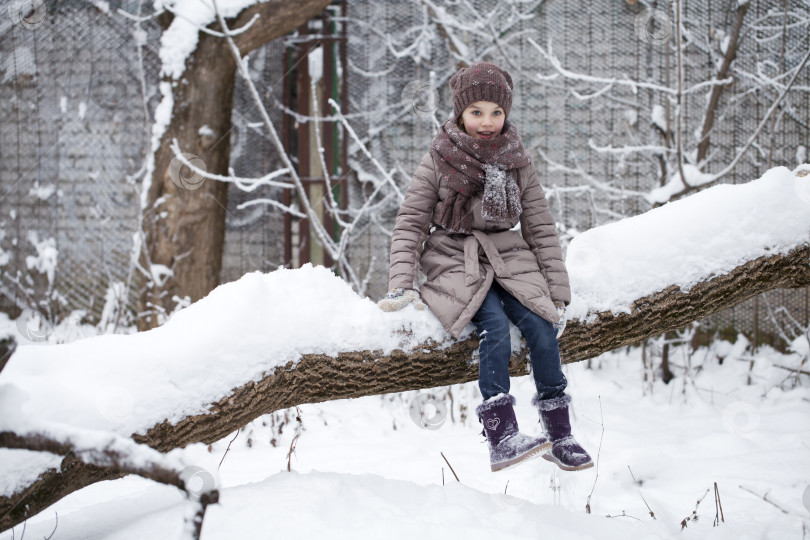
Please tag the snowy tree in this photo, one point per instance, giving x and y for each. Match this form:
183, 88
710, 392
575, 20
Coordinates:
183, 215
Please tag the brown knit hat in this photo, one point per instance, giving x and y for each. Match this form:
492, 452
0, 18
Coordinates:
481, 81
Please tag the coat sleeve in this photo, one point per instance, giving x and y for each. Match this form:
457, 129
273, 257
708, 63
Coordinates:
412, 225
540, 232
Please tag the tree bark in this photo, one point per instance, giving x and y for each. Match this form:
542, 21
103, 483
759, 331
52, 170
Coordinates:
184, 218
317, 378
116, 465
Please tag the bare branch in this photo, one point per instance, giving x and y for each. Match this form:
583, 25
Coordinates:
714, 98
634, 85
245, 184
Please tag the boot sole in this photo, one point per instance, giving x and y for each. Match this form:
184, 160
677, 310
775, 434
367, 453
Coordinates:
558, 463
531, 454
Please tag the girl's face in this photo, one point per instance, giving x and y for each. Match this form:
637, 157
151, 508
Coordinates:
483, 120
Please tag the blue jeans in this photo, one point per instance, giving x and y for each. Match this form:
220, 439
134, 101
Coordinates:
492, 323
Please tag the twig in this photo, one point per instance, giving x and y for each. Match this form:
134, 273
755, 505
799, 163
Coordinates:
245, 184
55, 525
652, 514
718, 507
694, 516
294, 442
451, 467
634, 85
765, 498
623, 514
292, 451
793, 370
598, 453
228, 449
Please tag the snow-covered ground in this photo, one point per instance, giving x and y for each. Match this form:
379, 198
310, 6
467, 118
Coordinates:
363, 468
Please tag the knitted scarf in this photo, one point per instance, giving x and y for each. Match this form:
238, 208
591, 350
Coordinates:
468, 165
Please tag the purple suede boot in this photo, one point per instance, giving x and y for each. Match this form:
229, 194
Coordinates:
565, 451
507, 445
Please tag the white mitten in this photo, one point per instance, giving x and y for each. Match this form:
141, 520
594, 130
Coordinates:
399, 298
560, 324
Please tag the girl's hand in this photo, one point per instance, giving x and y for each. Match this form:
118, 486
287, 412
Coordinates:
560, 324
399, 298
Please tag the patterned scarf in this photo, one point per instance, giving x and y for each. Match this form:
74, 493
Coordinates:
468, 165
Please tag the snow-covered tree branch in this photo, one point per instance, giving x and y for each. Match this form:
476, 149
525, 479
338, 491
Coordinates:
268, 342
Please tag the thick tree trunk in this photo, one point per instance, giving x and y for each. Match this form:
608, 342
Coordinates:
184, 218
184, 225
317, 378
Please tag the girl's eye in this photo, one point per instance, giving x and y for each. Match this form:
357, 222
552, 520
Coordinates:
476, 113
497, 113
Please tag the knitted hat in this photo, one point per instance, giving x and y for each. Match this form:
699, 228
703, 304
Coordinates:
481, 81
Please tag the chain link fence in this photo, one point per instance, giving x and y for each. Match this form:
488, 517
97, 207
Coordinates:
78, 90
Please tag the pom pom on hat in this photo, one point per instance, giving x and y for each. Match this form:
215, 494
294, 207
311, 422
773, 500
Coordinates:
481, 81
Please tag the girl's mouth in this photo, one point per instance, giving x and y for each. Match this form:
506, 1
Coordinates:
486, 134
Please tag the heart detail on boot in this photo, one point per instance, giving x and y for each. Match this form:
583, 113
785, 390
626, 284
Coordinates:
493, 423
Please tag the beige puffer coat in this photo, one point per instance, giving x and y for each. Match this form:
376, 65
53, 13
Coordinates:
460, 268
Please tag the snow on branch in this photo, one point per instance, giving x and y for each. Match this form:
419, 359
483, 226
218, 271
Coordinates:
387, 175
764, 120
610, 82
245, 184
601, 185
114, 454
90, 457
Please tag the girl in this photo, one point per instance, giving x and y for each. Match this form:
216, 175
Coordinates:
469, 193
